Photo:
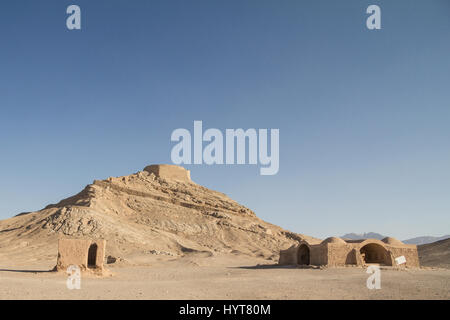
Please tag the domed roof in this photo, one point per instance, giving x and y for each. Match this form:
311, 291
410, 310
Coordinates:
333, 240
392, 241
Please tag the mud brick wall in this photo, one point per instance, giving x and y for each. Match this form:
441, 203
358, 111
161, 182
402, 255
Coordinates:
410, 253
76, 252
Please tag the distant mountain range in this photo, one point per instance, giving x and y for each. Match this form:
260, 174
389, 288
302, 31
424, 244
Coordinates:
368, 235
374, 235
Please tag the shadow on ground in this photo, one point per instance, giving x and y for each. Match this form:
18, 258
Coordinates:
26, 271
275, 266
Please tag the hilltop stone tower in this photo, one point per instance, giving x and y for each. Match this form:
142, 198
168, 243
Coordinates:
169, 171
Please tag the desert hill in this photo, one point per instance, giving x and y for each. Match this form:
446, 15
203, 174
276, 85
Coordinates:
436, 254
425, 239
151, 211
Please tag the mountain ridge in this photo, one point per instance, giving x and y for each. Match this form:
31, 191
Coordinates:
373, 235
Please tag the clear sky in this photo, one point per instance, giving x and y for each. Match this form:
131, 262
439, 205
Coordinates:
364, 116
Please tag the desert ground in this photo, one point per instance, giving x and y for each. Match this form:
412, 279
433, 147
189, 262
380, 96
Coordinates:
200, 276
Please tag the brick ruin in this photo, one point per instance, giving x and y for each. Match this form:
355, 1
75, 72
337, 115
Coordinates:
335, 252
88, 255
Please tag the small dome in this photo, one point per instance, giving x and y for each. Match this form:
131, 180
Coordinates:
333, 240
392, 241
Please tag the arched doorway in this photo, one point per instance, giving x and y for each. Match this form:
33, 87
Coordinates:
375, 253
92, 256
303, 255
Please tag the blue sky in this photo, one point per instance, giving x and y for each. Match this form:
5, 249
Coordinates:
364, 116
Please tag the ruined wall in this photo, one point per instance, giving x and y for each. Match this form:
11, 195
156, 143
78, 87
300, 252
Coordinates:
101, 251
76, 251
340, 254
169, 171
288, 256
319, 255
410, 253
355, 258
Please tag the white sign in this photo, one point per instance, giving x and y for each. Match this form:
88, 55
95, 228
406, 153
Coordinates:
400, 260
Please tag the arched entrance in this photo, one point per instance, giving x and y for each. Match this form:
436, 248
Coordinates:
303, 255
92, 256
375, 253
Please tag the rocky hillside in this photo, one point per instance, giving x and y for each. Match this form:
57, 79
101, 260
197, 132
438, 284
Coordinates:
425, 239
436, 254
147, 212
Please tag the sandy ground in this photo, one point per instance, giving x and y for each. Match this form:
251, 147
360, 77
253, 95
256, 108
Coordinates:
234, 277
